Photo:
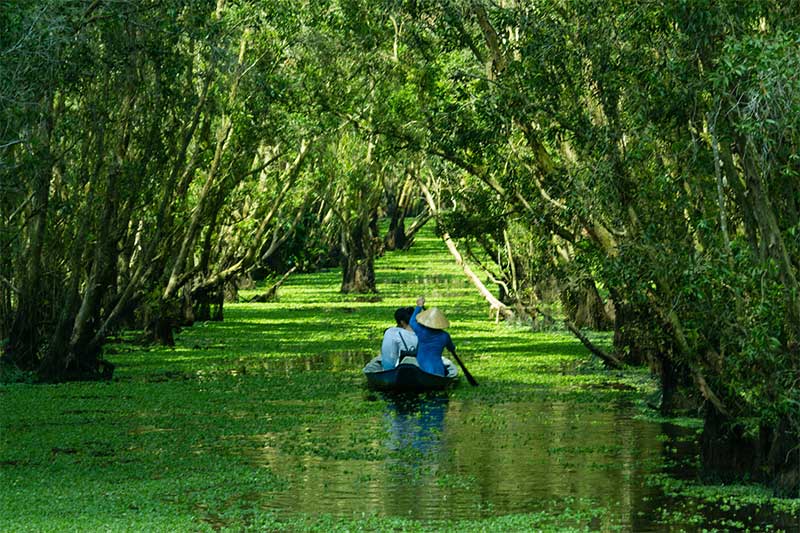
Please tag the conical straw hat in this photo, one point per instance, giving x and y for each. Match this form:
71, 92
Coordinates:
433, 318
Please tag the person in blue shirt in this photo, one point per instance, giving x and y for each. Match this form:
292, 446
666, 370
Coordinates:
432, 339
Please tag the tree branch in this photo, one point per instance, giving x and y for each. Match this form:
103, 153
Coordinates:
492, 40
608, 359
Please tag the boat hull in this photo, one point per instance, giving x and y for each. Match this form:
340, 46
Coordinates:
408, 376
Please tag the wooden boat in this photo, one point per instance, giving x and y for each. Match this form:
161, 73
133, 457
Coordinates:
408, 376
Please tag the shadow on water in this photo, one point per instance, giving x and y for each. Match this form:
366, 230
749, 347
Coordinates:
681, 464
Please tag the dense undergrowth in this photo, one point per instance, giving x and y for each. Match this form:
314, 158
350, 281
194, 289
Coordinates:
222, 431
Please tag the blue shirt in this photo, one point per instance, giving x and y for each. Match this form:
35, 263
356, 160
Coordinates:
430, 345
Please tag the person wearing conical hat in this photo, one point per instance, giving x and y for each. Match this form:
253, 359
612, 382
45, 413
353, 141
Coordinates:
432, 339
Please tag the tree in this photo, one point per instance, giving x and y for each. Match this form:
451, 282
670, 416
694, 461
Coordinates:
590, 123
129, 131
91, 164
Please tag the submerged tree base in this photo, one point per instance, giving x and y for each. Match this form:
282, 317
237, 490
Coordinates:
93, 369
731, 454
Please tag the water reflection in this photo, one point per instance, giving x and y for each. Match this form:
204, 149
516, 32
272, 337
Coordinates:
439, 457
414, 424
415, 451
434, 457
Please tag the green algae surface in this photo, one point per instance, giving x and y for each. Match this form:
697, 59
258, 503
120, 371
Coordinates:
263, 423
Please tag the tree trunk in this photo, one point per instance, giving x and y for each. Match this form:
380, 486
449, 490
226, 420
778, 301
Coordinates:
163, 321
359, 276
79, 358
771, 237
358, 260
271, 294
178, 276
187, 309
202, 307
583, 305
730, 454
625, 339
419, 223
675, 395
208, 303
783, 457
259, 241
495, 305
194, 223
219, 301
24, 335
223, 133
395, 238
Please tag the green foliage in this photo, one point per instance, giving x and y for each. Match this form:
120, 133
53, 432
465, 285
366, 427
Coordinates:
593, 126
10, 373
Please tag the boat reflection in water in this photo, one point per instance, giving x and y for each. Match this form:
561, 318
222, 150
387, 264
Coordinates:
415, 424
415, 428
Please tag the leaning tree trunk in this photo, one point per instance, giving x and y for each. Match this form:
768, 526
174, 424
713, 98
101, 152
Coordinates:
24, 336
80, 358
775, 246
169, 313
728, 450
418, 224
169, 308
226, 272
396, 237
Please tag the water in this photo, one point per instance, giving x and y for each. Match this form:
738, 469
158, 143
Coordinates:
445, 458
429, 457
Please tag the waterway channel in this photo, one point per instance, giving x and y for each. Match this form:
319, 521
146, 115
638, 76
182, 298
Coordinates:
447, 458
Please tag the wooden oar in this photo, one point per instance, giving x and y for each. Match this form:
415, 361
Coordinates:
464, 369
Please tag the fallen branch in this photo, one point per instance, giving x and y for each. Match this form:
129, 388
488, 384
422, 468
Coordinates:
608, 359
270, 294
495, 305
